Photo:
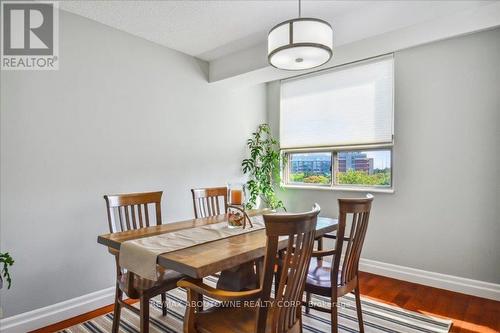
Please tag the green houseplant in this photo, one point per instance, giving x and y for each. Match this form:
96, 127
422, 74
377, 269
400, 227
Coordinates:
263, 168
6, 261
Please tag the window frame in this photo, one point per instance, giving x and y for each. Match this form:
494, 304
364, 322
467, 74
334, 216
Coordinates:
285, 170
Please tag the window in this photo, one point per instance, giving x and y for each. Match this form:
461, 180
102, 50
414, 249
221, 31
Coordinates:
310, 168
350, 169
367, 168
336, 126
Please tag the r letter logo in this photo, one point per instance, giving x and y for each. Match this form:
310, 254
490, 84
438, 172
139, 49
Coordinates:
29, 35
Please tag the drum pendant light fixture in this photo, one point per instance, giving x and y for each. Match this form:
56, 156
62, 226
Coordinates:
300, 43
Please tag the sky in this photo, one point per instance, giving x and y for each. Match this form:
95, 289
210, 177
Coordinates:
381, 158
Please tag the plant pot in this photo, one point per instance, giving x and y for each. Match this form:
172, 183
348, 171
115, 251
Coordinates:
259, 203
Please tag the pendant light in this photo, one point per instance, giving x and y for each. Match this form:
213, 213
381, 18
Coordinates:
300, 43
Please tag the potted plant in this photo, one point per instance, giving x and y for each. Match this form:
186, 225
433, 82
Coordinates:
263, 168
6, 261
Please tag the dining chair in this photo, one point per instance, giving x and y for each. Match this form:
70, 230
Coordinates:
259, 313
340, 276
206, 201
213, 201
130, 212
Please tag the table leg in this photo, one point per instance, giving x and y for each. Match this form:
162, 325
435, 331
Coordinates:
199, 300
242, 277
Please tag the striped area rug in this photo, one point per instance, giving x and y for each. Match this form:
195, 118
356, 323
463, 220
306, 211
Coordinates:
378, 317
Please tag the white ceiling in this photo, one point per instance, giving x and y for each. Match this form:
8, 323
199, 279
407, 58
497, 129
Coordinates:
212, 29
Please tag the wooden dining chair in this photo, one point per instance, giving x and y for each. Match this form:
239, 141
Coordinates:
206, 201
279, 315
213, 201
130, 212
340, 277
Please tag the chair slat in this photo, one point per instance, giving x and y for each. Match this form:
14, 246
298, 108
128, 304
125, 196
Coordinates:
202, 209
214, 206
205, 207
121, 219
217, 204
347, 256
127, 218
146, 214
132, 212
139, 215
158, 212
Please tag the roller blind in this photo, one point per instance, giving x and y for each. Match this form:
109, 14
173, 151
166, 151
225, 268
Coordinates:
349, 105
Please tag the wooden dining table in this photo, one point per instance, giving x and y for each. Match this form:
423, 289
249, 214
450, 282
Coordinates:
206, 259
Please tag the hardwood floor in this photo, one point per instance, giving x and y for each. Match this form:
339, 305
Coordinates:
78, 319
469, 313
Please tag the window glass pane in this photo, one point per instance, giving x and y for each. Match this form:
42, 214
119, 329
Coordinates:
310, 168
368, 168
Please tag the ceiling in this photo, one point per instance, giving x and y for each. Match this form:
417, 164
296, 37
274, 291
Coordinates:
212, 29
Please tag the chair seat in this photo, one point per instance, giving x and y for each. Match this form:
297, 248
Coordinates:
167, 279
319, 277
230, 319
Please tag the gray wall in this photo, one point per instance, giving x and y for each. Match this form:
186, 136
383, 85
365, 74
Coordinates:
444, 216
122, 114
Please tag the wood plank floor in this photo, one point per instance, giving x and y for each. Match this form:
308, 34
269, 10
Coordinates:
469, 313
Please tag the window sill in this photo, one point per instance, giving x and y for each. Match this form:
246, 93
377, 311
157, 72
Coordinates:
339, 188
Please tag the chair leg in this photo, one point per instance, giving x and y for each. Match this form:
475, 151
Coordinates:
144, 314
117, 310
198, 299
308, 300
334, 315
164, 304
189, 316
358, 309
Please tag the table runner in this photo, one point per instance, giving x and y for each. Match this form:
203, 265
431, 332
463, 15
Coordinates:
139, 255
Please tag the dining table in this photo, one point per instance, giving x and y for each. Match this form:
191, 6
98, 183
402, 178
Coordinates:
209, 258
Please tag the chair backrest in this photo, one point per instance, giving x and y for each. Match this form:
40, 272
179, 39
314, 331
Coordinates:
350, 238
300, 230
206, 201
131, 211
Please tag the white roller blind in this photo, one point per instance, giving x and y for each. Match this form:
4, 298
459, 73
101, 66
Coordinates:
346, 106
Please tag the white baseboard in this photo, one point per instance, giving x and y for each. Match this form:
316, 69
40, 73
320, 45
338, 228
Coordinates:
54, 313
51, 314
437, 280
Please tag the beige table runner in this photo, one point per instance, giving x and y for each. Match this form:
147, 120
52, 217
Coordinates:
140, 255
